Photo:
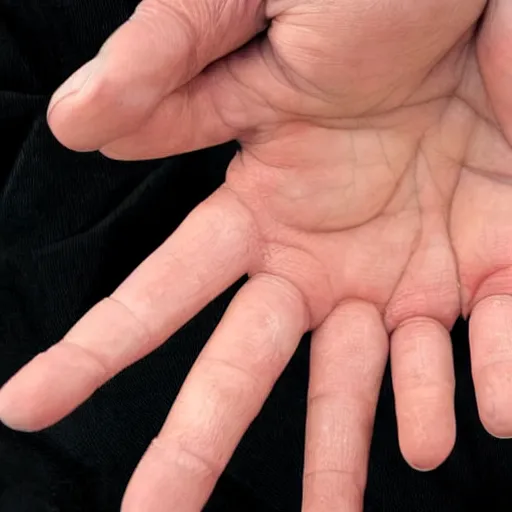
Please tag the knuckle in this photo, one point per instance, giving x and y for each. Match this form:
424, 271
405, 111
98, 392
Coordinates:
89, 358
180, 452
231, 383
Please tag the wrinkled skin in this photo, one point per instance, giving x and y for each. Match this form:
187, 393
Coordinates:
370, 203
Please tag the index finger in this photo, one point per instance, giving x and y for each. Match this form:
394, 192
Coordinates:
207, 253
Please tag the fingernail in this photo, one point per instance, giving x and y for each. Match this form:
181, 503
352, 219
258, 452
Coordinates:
73, 84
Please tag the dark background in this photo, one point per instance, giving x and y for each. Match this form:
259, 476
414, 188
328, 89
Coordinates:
72, 226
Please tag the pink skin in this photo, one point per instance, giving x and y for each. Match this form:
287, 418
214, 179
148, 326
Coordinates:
370, 201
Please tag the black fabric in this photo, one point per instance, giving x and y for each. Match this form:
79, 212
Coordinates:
72, 226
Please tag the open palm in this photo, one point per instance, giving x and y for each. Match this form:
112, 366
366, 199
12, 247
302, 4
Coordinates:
370, 199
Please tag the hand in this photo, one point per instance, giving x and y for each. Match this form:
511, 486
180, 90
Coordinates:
370, 199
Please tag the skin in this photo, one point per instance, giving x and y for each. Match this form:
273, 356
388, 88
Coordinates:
370, 203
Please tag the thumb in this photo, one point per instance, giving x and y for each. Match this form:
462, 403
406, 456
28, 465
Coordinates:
161, 47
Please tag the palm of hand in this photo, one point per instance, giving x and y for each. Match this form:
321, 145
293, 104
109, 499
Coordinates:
363, 202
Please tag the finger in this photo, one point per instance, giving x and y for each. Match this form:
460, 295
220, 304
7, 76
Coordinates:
207, 253
221, 104
220, 398
348, 356
163, 45
424, 386
491, 361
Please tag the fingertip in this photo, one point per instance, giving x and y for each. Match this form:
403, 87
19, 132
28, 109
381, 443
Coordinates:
494, 390
64, 128
427, 454
65, 105
112, 154
18, 401
496, 430
490, 332
101, 103
47, 389
7, 418
72, 85
427, 433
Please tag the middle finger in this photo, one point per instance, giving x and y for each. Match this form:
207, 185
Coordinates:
222, 395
